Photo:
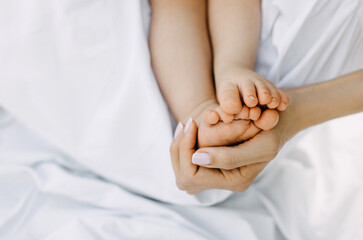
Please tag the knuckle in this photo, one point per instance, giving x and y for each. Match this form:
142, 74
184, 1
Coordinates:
216, 158
236, 186
241, 184
226, 162
231, 163
184, 183
179, 185
172, 147
248, 175
230, 186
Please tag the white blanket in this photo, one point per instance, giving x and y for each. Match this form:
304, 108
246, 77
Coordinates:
88, 135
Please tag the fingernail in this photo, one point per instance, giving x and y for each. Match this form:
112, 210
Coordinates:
274, 99
252, 97
178, 130
201, 158
187, 126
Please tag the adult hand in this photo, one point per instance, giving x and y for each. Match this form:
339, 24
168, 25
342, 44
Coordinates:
194, 179
262, 148
309, 105
233, 168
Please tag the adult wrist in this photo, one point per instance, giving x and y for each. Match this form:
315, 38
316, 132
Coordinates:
296, 112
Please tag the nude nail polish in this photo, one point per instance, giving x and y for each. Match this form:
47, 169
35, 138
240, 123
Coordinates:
188, 124
178, 130
201, 159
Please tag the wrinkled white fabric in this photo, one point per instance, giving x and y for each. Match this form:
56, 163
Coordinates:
304, 42
85, 136
44, 194
87, 86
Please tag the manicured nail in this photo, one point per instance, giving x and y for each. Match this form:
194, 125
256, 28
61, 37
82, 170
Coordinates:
178, 130
187, 126
201, 158
252, 97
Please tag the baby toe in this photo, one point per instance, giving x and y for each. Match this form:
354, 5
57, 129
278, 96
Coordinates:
244, 113
249, 93
255, 113
229, 98
211, 117
225, 117
263, 92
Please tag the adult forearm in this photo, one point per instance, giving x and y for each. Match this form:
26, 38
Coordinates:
321, 102
181, 54
309, 105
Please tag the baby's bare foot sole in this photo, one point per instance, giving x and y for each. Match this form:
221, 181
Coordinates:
214, 131
223, 134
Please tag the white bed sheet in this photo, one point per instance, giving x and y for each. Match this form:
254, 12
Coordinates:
71, 72
313, 191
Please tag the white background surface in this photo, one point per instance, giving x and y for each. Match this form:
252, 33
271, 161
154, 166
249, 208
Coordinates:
75, 165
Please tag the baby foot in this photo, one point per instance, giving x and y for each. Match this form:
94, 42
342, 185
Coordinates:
232, 122
244, 85
220, 129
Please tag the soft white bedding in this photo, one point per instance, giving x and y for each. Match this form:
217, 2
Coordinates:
75, 165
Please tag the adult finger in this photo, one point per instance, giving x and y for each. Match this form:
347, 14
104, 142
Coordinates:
174, 148
236, 180
187, 148
261, 148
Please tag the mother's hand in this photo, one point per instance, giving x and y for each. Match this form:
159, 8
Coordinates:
233, 168
262, 148
194, 179
309, 105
